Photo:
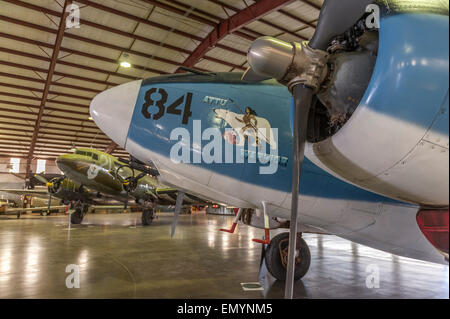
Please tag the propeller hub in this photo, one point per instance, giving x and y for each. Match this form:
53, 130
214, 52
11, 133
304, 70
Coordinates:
270, 57
290, 63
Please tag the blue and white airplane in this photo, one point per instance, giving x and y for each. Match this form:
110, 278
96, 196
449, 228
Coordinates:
377, 151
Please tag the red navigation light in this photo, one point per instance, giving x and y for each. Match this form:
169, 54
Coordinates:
434, 225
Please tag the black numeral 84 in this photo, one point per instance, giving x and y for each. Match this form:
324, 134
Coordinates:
161, 105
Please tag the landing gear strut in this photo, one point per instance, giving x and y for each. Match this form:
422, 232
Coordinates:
147, 216
277, 256
79, 213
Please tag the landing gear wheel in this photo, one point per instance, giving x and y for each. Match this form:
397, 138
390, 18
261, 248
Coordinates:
185, 210
277, 257
78, 215
147, 217
45, 212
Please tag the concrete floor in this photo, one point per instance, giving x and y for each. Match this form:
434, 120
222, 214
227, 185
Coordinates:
118, 258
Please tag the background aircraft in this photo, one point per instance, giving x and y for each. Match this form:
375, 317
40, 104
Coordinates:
105, 174
61, 188
376, 166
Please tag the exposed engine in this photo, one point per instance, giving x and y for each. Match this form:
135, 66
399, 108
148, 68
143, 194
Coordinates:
373, 102
350, 66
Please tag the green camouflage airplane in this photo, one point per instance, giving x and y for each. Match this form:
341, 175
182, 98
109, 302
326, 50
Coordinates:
105, 174
90, 176
61, 188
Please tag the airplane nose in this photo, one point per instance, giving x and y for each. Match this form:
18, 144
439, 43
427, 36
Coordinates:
112, 110
64, 162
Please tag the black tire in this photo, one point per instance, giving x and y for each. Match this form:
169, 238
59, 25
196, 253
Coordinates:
45, 213
185, 210
147, 217
77, 216
276, 252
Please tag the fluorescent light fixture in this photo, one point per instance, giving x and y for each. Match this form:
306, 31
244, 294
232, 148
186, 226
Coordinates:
125, 64
90, 118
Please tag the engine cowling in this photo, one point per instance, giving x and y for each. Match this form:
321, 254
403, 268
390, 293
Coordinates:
380, 120
396, 141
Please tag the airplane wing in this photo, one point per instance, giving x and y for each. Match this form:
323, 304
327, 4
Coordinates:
170, 195
13, 211
41, 192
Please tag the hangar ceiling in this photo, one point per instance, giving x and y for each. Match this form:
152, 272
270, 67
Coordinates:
49, 74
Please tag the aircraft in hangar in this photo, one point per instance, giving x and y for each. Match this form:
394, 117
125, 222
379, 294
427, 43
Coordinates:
367, 106
91, 176
62, 188
106, 175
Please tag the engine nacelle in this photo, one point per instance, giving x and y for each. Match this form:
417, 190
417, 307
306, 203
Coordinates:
396, 141
255, 219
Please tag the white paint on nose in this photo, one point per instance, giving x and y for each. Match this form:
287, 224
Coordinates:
112, 110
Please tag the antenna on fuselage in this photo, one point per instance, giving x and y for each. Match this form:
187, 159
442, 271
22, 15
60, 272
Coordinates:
93, 140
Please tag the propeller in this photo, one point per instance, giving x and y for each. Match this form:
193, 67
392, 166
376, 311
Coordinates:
53, 186
302, 67
130, 182
179, 203
41, 178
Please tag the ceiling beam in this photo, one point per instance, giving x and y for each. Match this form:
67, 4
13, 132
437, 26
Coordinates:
282, 11
75, 52
261, 20
197, 15
60, 141
75, 65
39, 99
109, 29
66, 75
51, 69
36, 80
55, 109
67, 126
147, 22
312, 4
28, 88
90, 136
224, 28
49, 148
52, 116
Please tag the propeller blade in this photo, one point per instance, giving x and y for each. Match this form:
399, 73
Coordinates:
302, 104
49, 201
141, 175
251, 76
336, 17
125, 205
178, 205
41, 178
60, 179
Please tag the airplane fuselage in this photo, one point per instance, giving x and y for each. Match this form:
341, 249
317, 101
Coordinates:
177, 122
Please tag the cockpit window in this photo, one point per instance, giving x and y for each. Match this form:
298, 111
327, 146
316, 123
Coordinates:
90, 154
